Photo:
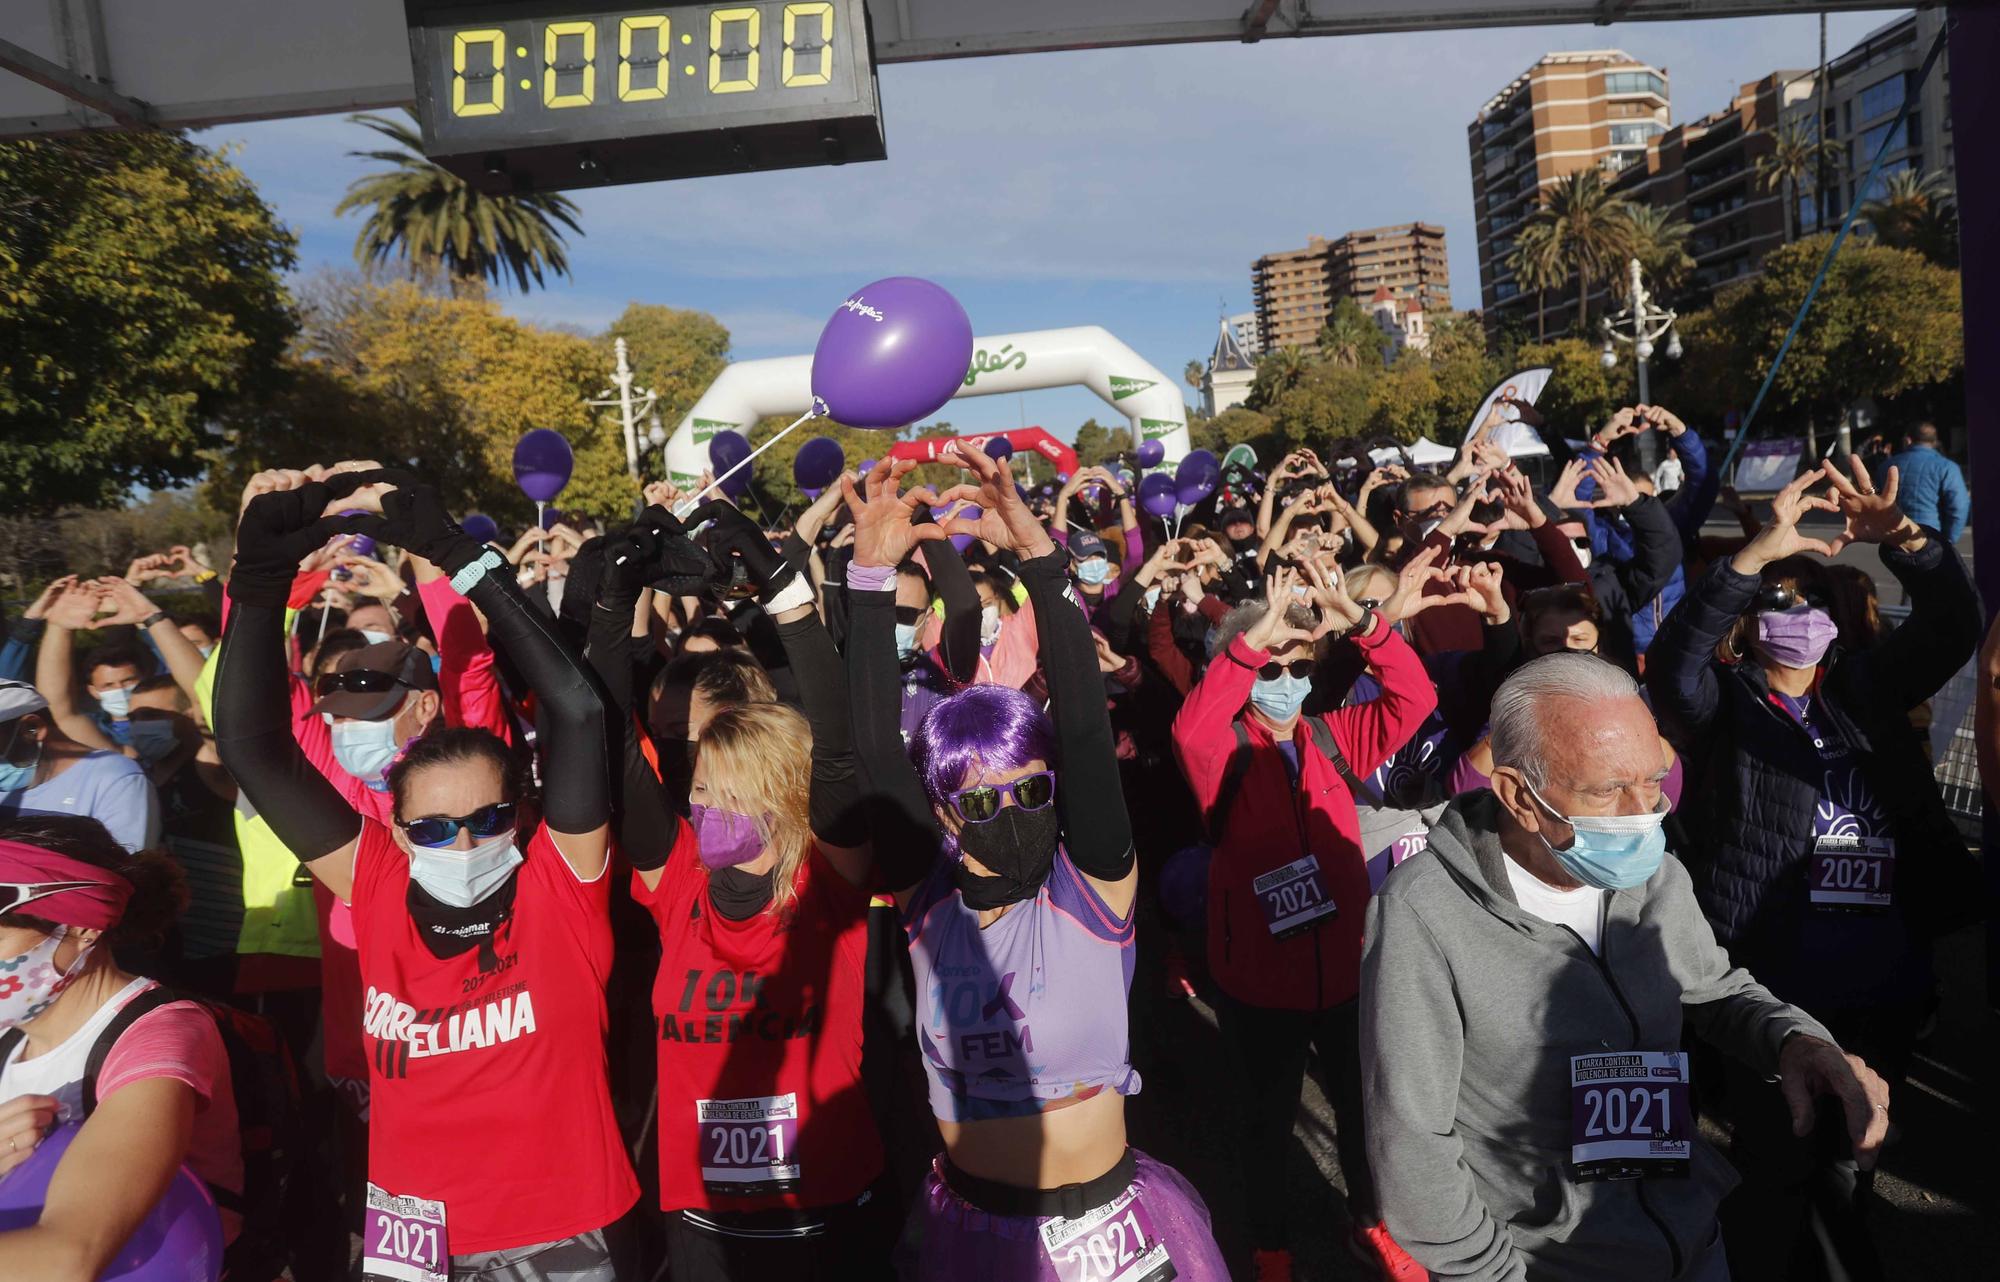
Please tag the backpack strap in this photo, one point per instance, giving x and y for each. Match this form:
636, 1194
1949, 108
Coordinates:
8, 1041
132, 1012
1329, 747
1232, 777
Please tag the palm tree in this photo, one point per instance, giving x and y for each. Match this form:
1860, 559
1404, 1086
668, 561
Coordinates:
1917, 212
1537, 266
1280, 370
1590, 233
1194, 374
1796, 155
1349, 333
432, 220
1659, 242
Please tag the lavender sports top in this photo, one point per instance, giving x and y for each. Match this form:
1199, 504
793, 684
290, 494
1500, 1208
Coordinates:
1029, 1011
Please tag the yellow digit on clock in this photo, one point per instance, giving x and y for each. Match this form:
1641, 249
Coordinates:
662, 31
793, 12
553, 33
496, 44
718, 20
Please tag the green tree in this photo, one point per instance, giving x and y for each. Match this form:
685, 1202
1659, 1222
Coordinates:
675, 352
1351, 337
1194, 374
1917, 212
1885, 323
1590, 232
1278, 372
1659, 241
1537, 264
1581, 393
1796, 157
1463, 372
432, 220
1097, 444
1328, 401
1403, 402
141, 292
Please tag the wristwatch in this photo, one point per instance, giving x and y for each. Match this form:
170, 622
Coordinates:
157, 616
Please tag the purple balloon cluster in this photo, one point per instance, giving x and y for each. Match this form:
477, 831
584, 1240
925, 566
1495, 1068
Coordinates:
818, 465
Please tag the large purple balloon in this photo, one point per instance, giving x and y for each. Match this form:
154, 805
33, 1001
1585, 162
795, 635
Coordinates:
481, 527
892, 354
1196, 476
817, 463
1151, 453
542, 464
969, 511
180, 1240
726, 450
1156, 494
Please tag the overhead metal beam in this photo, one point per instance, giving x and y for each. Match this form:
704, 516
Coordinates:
1256, 18
1610, 11
29, 65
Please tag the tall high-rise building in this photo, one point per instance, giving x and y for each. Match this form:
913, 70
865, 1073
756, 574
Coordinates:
1295, 289
1587, 109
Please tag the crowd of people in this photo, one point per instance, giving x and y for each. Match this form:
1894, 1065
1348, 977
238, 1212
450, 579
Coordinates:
606, 906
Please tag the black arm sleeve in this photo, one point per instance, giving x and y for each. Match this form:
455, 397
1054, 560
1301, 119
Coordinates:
959, 641
900, 822
1118, 628
253, 733
1089, 794
647, 824
836, 788
576, 789
1656, 551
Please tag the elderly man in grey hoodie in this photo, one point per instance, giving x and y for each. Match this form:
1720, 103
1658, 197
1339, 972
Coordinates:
1524, 984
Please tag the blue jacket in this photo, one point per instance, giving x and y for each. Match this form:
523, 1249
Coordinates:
1932, 490
1749, 843
1689, 507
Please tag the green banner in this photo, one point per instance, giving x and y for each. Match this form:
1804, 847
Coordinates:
1240, 455
1124, 387
704, 428
1153, 428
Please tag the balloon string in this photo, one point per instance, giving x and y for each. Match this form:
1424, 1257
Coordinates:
687, 505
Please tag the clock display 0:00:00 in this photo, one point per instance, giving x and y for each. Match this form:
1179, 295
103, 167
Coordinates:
732, 67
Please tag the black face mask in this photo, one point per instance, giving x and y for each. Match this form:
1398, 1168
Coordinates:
1018, 845
739, 895
449, 931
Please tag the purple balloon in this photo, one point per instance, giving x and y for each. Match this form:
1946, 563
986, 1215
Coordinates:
179, 1240
1151, 453
812, 492
481, 527
892, 354
542, 464
866, 464
1196, 476
551, 518
1157, 495
817, 464
999, 447
969, 512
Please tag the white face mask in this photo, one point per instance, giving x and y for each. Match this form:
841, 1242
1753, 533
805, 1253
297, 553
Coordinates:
117, 704
376, 636
989, 625
366, 749
906, 641
1583, 554
37, 982
461, 878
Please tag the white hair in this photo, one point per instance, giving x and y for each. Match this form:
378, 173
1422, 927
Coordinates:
1523, 701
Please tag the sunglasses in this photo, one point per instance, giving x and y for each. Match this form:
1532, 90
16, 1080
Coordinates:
979, 803
357, 681
910, 615
1369, 602
1776, 597
16, 894
1297, 668
440, 831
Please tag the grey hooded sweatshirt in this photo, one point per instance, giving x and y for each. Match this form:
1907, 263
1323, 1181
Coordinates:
1470, 1011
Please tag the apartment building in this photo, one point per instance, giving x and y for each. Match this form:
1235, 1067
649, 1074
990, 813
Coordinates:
1595, 108
1294, 290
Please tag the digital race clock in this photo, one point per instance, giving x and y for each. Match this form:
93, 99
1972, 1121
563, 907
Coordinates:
539, 97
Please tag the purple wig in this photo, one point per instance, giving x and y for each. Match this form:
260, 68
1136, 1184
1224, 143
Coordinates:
984, 726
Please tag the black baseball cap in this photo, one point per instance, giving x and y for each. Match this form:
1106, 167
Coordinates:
370, 683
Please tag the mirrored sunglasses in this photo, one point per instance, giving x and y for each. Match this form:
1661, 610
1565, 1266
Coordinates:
979, 803
439, 831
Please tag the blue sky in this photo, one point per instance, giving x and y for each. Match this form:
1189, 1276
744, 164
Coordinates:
1129, 188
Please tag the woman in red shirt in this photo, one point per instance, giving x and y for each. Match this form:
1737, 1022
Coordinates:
770, 1159
483, 934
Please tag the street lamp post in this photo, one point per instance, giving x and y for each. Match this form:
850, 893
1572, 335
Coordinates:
1640, 323
632, 402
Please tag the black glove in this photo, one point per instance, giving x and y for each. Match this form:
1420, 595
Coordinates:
655, 551
414, 518
735, 534
282, 528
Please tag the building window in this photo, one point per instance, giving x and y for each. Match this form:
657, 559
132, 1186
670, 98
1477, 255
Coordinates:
1880, 187
1882, 97
1635, 135
1909, 133
1634, 82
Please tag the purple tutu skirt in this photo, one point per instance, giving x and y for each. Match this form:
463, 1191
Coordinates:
1158, 1220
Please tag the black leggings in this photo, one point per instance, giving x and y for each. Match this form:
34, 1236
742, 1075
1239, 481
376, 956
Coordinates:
1269, 1049
825, 1244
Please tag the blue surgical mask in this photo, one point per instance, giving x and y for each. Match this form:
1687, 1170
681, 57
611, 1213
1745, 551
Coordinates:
1093, 570
206, 650
1610, 852
366, 749
117, 704
1152, 597
154, 740
906, 640
462, 878
14, 777
1280, 697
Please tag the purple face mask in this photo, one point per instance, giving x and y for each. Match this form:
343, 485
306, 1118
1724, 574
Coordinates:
726, 838
1798, 637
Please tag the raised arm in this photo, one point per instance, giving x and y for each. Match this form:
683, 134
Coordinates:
183, 661
55, 670
958, 640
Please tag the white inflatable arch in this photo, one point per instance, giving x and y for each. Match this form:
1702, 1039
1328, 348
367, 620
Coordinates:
1086, 356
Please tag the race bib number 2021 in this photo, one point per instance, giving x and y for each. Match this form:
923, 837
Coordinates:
1114, 1243
1293, 898
1630, 1114
749, 1146
403, 1239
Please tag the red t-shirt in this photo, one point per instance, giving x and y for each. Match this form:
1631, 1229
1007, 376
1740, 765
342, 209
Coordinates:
488, 1089
761, 1103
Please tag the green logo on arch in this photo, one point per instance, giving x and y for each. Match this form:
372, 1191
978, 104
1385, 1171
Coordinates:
1124, 387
